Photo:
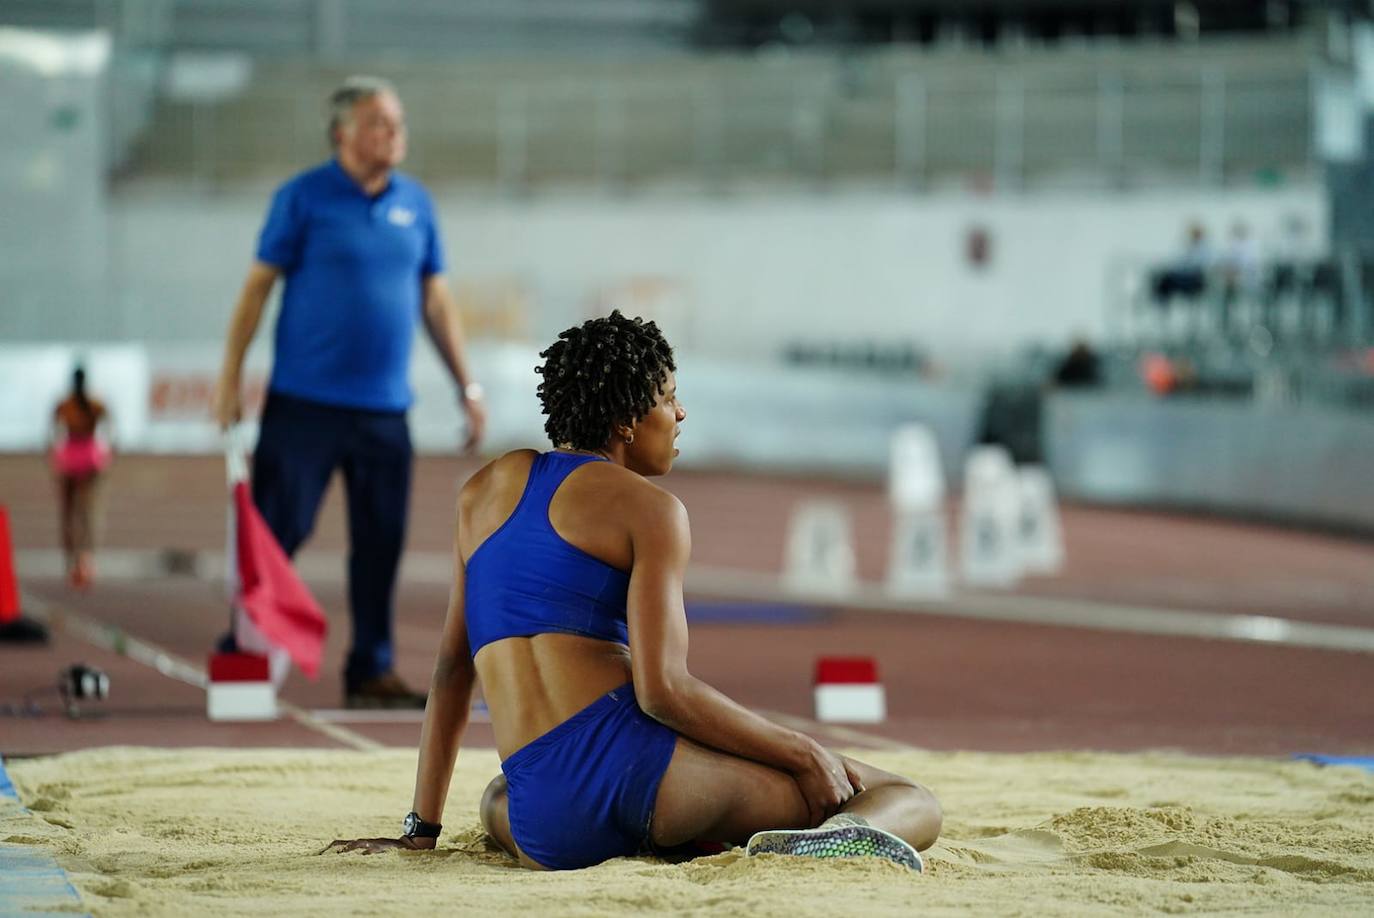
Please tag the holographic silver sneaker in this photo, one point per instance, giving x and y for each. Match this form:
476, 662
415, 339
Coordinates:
836, 841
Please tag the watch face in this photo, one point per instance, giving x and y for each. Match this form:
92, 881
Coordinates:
409, 824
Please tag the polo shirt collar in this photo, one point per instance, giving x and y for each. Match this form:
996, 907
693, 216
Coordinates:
337, 170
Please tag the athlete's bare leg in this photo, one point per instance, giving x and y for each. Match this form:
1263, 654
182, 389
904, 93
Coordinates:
711, 795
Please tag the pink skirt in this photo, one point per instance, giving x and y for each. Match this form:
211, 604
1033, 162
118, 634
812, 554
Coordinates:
80, 457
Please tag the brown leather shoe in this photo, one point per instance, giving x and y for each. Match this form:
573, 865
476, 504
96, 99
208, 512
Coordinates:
386, 691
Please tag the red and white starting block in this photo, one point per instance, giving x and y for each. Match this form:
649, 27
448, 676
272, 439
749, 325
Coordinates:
848, 691
240, 688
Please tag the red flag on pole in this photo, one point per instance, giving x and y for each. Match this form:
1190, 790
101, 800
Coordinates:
270, 594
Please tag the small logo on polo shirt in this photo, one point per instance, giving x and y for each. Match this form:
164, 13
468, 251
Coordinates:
400, 216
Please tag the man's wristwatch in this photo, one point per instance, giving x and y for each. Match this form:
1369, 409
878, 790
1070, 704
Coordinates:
473, 392
415, 827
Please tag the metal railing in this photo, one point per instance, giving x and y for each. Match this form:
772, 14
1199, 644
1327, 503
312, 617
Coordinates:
908, 129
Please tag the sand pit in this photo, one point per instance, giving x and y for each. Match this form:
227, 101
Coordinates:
175, 832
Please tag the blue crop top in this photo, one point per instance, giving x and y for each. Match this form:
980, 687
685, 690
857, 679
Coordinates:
525, 579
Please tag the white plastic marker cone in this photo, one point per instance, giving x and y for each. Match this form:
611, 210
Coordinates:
918, 562
1042, 540
820, 549
989, 547
240, 688
848, 691
915, 479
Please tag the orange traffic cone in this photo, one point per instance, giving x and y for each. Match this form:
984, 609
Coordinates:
14, 627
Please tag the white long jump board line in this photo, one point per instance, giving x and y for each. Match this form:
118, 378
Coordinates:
115, 640
840, 733
1039, 610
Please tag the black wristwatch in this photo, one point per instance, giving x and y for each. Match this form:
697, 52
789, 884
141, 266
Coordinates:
415, 827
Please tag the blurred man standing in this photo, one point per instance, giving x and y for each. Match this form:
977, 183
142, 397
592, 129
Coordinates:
358, 247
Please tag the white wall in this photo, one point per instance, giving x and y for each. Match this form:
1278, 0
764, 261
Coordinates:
726, 277
53, 241
758, 272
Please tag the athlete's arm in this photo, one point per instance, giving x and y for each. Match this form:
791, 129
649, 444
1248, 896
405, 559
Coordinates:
58, 426
445, 329
446, 717
106, 419
446, 713
104, 425
242, 326
669, 693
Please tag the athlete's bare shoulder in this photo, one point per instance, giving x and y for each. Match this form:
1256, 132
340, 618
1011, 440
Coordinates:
637, 498
498, 472
494, 480
490, 495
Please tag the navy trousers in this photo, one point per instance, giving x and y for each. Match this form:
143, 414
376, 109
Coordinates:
300, 444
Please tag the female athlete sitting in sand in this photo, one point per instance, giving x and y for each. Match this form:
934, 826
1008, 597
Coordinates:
567, 603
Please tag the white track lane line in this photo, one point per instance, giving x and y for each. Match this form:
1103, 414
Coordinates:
1043, 610
433, 568
327, 720
107, 637
841, 733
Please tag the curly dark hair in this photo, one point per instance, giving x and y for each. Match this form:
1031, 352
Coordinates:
599, 374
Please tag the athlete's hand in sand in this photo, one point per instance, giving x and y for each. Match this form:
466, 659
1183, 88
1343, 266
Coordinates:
827, 782
227, 407
375, 845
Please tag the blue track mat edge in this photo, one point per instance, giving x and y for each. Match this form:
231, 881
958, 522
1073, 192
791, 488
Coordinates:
29, 876
1357, 761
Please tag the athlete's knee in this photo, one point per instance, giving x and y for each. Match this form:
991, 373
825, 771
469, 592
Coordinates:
933, 820
494, 812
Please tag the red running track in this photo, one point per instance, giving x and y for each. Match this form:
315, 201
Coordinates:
952, 683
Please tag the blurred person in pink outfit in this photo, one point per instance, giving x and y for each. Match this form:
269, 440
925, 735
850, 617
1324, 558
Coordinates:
80, 456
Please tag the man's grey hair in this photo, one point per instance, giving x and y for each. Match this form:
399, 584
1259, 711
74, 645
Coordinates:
351, 91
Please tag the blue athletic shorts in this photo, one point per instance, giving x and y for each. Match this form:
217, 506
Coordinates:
584, 792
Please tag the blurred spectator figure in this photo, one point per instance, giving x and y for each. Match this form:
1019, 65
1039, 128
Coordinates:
1295, 243
1240, 271
1295, 258
1187, 274
357, 245
1080, 368
1239, 262
1164, 376
80, 456
1158, 373
1011, 417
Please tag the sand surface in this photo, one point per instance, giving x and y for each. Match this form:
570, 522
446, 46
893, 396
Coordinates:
175, 832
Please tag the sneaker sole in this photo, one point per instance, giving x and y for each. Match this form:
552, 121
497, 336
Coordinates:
840, 841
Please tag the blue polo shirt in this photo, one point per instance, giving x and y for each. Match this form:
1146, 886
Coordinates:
354, 268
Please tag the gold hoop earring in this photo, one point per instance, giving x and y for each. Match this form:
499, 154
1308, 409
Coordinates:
629, 438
